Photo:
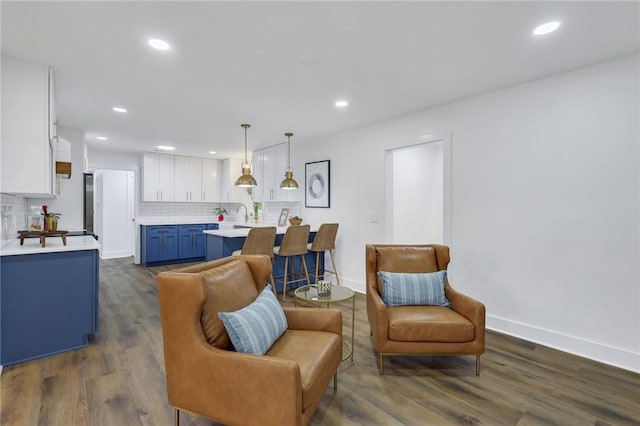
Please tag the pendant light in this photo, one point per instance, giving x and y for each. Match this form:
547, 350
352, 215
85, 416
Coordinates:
246, 180
288, 182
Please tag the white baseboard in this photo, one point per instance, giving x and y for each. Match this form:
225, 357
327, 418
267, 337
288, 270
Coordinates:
0, 370
113, 254
596, 351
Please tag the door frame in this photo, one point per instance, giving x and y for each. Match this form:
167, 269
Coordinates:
447, 199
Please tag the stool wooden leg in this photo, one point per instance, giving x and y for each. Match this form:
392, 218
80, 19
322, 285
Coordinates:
318, 267
306, 273
284, 279
335, 270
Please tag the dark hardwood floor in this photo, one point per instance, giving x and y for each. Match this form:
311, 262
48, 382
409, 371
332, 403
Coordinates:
119, 379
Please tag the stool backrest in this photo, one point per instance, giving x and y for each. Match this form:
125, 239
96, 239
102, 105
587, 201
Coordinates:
325, 239
295, 240
260, 241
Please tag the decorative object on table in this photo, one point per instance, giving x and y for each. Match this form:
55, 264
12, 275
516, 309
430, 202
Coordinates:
324, 287
295, 220
256, 211
36, 216
220, 212
288, 182
51, 220
45, 225
284, 213
317, 193
246, 180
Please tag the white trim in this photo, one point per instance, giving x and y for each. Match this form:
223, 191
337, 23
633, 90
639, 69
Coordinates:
596, 351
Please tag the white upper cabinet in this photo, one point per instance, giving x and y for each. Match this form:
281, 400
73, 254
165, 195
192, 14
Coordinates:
270, 165
188, 179
157, 177
28, 117
231, 170
210, 180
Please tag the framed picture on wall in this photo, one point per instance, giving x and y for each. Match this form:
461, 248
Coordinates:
317, 185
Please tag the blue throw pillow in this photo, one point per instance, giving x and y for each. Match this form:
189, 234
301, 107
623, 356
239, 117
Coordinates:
400, 289
254, 328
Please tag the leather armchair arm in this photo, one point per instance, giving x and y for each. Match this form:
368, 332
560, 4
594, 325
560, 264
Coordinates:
466, 306
315, 319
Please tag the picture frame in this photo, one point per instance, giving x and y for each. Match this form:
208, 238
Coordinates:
317, 184
284, 214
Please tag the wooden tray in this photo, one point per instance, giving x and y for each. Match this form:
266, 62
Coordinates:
43, 235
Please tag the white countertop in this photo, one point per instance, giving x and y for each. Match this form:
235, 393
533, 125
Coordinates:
53, 244
242, 232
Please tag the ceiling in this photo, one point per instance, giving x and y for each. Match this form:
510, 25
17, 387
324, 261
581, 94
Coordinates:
281, 65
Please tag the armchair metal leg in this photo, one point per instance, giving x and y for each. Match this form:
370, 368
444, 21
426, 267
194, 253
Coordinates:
478, 365
335, 381
380, 366
176, 417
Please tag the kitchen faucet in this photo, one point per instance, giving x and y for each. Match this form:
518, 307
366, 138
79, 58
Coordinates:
246, 214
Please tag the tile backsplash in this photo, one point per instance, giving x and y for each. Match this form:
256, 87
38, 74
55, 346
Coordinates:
13, 214
167, 211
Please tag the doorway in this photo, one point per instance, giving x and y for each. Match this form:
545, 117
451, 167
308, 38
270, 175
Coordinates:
417, 207
114, 212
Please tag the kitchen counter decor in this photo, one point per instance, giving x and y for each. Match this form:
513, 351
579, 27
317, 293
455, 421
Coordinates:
43, 235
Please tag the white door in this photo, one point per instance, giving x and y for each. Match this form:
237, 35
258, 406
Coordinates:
114, 208
417, 207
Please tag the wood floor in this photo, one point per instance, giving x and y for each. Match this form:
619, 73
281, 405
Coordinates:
119, 379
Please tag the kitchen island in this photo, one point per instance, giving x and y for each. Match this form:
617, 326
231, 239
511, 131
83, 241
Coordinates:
223, 242
48, 297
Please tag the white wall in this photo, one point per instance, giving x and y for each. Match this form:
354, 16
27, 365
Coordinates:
545, 201
68, 201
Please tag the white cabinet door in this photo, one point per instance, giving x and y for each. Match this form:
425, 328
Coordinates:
157, 177
270, 165
231, 170
27, 153
258, 173
188, 179
210, 180
166, 177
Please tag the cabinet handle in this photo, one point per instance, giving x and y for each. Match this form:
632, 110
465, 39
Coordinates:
203, 196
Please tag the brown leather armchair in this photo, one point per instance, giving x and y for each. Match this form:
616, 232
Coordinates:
420, 330
207, 377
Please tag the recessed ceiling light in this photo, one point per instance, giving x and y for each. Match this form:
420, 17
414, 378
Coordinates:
119, 109
546, 28
101, 138
212, 152
341, 104
159, 44
165, 148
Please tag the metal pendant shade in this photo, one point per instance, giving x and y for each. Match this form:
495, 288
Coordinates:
288, 182
246, 180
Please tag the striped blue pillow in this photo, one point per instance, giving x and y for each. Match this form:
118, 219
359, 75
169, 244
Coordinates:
400, 289
254, 328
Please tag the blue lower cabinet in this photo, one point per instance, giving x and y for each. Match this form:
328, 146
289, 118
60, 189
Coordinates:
166, 244
48, 303
191, 239
159, 243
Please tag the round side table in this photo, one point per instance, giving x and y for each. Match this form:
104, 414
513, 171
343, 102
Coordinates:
338, 293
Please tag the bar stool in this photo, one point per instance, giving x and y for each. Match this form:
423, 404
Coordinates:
260, 241
325, 240
294, 243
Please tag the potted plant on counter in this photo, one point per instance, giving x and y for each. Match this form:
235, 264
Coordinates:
220, 211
